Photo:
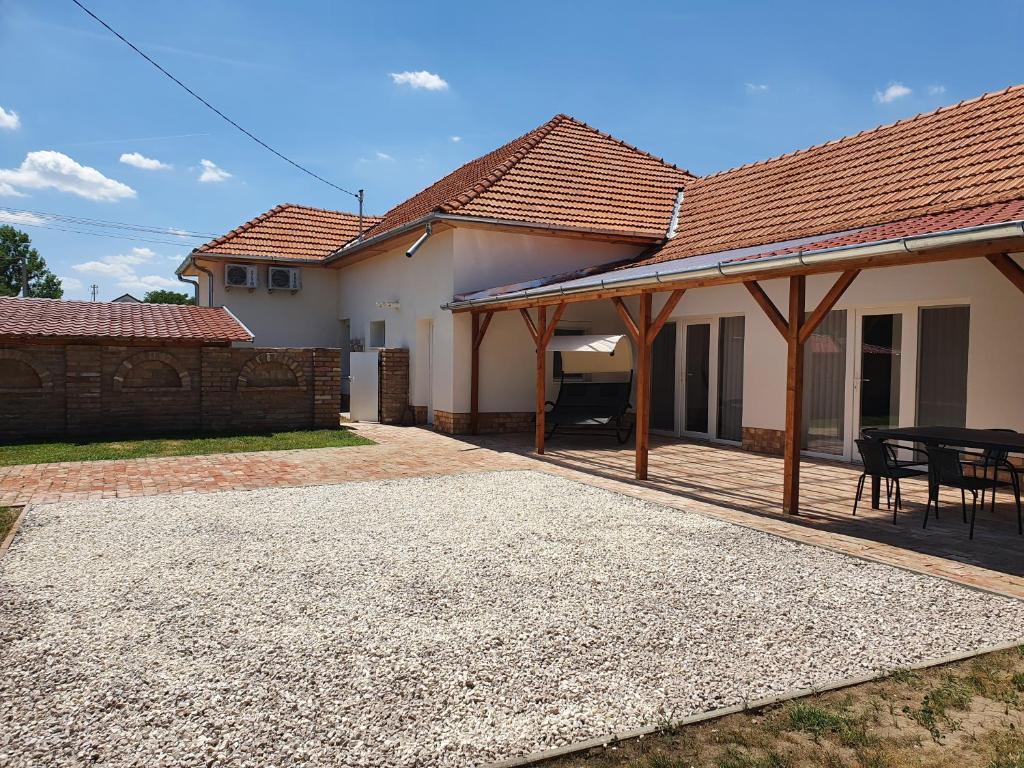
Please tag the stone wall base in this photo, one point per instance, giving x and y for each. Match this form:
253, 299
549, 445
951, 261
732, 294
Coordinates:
761, 440
492, 422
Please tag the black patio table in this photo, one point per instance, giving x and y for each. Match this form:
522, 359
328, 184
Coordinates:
956, 437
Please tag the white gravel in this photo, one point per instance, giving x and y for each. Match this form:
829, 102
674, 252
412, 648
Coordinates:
428, 622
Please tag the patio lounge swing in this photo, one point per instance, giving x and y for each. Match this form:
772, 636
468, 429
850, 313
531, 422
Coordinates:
599, 403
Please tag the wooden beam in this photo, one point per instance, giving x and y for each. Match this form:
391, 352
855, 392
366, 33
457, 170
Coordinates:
1011, 270
957, 253
768, 306
529, 325
627, 319
643, 386
794, 397
541, 329
659, 322
478, 337
559, 311
825, 305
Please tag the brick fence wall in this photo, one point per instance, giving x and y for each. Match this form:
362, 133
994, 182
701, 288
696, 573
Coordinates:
76, 390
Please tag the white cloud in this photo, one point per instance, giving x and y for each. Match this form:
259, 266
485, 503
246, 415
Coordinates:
145, 163
6, 190
422, 79
937, 89
9, 120
212, 172
454, 139
892, 93
755, 87
385, 156
71, 285
177, 232
121, 268
47, 169
23, 218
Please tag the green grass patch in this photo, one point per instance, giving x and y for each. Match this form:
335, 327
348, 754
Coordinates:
176, 445
7, 517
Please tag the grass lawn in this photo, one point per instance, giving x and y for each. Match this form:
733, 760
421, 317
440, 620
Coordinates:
964, 715
179, 445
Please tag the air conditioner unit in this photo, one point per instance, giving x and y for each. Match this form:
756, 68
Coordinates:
283, 279
240, 276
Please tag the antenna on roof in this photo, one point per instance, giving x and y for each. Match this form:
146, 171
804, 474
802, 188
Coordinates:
360, 198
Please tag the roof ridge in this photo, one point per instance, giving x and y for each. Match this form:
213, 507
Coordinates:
627, 145
529, 141
865, 132
279, 208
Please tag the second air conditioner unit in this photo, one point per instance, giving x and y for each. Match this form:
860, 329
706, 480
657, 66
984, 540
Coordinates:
283, 279
240, 276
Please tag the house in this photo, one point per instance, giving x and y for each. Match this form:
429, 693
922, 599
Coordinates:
126, 298
756, 295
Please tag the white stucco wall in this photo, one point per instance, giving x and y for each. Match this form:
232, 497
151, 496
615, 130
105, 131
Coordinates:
419, 286
308, 318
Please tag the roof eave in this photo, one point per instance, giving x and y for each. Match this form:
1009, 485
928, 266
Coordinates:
751, 267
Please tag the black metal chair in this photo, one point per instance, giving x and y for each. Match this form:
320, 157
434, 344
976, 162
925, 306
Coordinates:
945, 468
880, 460
997, 460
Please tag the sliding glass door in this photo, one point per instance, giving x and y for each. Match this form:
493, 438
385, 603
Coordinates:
697, 369
943, 334
731, 332
824, 411
880, 361
663, 380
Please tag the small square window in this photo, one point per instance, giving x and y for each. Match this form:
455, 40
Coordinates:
377, 334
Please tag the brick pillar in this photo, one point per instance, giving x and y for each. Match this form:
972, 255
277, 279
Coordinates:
326, 388
216, 389
84, 389
394, 384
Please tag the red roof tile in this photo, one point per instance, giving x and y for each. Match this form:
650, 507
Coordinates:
562, 174
996, 213
290, 232
965, 155
94, 321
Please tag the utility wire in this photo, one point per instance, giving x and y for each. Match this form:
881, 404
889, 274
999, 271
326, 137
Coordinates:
152, 240
208, 105
23, 216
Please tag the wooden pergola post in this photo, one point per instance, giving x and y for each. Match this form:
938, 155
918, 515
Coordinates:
644, 332
541, 333
479, 329
796, 329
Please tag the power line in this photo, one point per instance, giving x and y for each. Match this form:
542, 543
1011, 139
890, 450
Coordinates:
24, 216
208, 105
102, 234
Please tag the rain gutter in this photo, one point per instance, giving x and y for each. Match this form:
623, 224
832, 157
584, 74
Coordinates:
752, 267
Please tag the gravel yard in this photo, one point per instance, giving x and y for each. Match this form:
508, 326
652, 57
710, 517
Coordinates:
427, 622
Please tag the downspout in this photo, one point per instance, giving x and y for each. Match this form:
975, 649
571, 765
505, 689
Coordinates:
209, 282
427, 232
194, 284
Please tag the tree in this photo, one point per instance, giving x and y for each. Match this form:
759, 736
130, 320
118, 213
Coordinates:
167, 297
15, 248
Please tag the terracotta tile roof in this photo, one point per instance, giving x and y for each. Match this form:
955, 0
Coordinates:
26, 319
968, 154
995, 213
290, 232
562, 174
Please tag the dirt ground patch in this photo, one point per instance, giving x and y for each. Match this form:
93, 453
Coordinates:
967, 714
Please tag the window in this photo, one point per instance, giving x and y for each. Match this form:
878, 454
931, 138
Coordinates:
825, 385
377, 334
731, 332
557, 363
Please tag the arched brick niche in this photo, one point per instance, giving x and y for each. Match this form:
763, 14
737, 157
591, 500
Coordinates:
19, 374
151, 370
271, 370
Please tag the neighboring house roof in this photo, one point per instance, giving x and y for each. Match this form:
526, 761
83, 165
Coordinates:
55, 319
126, 297
289, 232
965, 155
563, 174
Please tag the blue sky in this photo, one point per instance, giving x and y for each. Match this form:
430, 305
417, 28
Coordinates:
706, 86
